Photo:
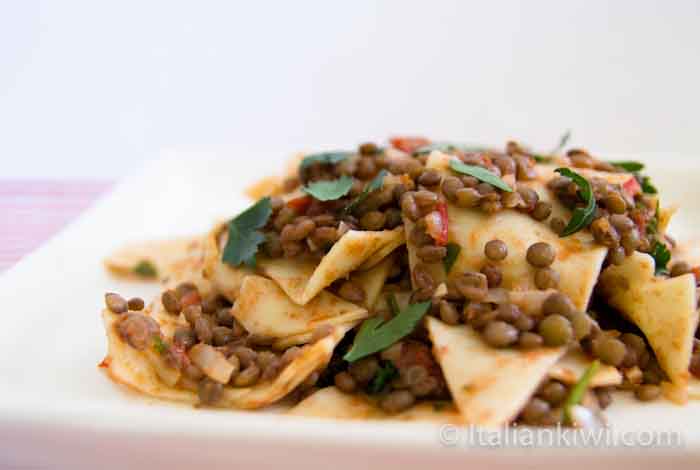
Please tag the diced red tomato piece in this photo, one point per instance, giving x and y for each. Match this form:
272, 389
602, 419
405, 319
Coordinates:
632, 187
696, 273
300, 204
408, 144
437, 224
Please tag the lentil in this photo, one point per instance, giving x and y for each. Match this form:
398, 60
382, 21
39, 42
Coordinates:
345, 382
647, 392
542, 211
136, 304
500, 334
496, 250
582, 325
610, 350
352, 292
535, 410
558, 303
364, 370
209, 391
615, 203
448, 313
524, 323
204, 330
191, 313
247, 376
184, 337
222, 335
546, 278
540, 254
557, 225
138, 330
116, 303
493, 274
467, 197
171, 302
555, 330
373, 220
397, 401
680, 268
553, 392
472, 285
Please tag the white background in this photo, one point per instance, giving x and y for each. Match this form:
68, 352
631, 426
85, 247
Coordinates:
93, 88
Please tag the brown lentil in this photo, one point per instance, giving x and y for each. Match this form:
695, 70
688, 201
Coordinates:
508, 312
422, 278
524, 323
373, 220
610, 350
116, 303
680, 268
425, 200
557, 225
553, 392
364, 370
604, 233
171, 302
530, 340
184, 337
542, 211
245, 355
449, 313
540, 254
368, 148
582, 325
535, 410
136, 304
209, 391
604, 397
450, 186
473, 286
138, 330
555, 330
500, 334
493, 274
397, 401
647, 392
546, 278
530, 198
203, 329
345, 382
409, 206
496, 250
467, 197
352, 292
430, 178
615, 203
222, 335
558, 303
191, 313
247, 376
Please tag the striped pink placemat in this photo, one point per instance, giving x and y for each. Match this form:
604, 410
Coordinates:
31, 211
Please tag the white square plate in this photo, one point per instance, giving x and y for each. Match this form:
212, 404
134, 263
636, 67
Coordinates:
58, 409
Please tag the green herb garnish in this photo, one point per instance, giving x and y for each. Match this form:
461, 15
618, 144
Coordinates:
579, 389
328, 158
645, 182
329, 190
453, 250
582, 216
376, 335
653, 225
386, 373
244, 236
661, 256
630, 166
145, 268
447, 147
370, 187
542, 158
158, 345
480, 173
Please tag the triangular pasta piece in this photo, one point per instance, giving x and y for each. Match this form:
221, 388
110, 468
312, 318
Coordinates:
578, 259
303, 280
372, 281
132, 368
226, 279
264, 309
570, 368
331, 403
489, 386
665, 309
154, 259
